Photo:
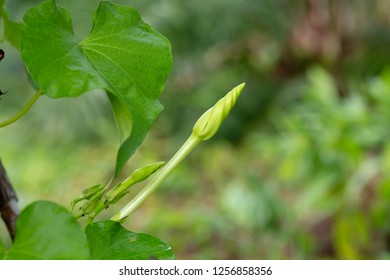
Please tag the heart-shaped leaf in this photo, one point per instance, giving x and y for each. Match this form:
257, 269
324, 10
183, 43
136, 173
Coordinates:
122, 55
108, 240
47, 231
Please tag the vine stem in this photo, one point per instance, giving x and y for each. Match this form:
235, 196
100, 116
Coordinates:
187, 147
23, 111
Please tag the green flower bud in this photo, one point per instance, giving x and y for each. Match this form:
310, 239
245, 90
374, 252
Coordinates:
138, 175
91, 191
87, 194
209, 123
92, 202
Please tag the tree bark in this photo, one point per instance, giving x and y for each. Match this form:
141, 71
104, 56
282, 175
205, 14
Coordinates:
8, 202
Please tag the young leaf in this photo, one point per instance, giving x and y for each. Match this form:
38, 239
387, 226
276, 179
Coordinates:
47, 231
108, 240
122, 55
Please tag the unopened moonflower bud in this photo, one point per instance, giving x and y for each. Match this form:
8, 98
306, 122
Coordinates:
209, 123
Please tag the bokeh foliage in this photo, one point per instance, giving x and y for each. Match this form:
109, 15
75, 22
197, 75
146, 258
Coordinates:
300, 169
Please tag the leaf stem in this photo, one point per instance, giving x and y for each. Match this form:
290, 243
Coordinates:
187, 147
23, 111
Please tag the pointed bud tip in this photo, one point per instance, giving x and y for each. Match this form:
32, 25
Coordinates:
241, 86
236, 91
208, 124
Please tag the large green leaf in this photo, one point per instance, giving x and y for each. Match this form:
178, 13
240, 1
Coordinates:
122, 55
108, 240
47, 231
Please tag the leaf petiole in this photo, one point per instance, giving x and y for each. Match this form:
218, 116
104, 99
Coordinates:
23, 111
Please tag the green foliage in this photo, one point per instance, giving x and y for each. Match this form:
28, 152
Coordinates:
326, 154
125, 57
47, 231
110, 241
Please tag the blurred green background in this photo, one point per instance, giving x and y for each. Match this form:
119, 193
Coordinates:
299, 170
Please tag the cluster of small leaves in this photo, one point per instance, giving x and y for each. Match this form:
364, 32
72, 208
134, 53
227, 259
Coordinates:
96, 198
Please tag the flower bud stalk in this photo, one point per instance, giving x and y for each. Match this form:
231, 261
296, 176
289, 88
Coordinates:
205, 128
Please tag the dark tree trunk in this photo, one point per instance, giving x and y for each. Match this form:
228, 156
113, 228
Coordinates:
8, 202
